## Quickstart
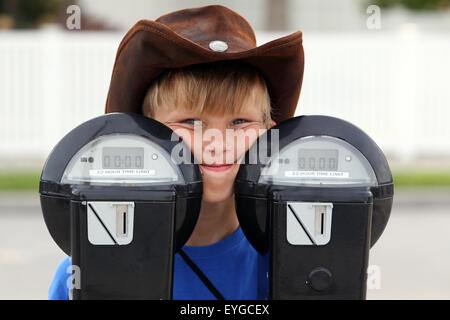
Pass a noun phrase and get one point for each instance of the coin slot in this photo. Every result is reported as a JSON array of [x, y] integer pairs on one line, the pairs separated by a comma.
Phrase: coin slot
[[122, 220], [322, 216], [320, 212]]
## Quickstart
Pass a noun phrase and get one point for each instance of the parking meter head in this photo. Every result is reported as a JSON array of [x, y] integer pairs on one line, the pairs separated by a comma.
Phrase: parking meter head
[[314, 152], [120, 156]]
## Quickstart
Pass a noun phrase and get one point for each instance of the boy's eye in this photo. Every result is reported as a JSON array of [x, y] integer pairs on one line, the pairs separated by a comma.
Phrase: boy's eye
[[189, 121], [238, 121]]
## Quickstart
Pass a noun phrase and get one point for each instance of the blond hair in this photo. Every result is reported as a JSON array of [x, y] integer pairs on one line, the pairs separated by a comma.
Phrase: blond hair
[[215, 87]]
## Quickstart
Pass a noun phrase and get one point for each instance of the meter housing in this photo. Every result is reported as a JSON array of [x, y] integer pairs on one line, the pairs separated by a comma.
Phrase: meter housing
[[120, 194], [314, 193]]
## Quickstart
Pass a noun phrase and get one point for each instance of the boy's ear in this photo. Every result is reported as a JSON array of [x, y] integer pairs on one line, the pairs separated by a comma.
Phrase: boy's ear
[[272, 124]]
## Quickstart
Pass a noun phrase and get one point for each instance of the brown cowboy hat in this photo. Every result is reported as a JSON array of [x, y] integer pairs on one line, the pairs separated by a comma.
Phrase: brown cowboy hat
[[200, 35]]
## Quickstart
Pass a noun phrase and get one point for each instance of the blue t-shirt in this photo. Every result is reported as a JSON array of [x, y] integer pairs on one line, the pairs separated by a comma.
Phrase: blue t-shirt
[[237, 270]]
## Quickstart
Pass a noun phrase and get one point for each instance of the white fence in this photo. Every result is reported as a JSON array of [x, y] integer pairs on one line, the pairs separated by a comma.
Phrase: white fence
[[396, 87]]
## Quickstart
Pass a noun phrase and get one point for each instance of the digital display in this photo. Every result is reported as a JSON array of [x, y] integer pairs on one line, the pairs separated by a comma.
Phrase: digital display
[[318, 159], [122, 158]]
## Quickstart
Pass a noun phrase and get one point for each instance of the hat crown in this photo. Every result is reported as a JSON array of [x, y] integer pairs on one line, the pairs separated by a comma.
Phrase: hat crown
[[212, 23]]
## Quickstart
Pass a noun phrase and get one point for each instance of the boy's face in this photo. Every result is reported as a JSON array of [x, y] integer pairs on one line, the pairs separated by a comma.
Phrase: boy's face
[[217, 144]]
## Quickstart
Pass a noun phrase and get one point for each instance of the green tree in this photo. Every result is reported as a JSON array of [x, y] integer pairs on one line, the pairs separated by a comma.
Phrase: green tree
[[32, 13], [417, 5]]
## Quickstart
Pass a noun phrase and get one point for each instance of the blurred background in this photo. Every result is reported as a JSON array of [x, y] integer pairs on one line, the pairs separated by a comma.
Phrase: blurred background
[[382, 65]]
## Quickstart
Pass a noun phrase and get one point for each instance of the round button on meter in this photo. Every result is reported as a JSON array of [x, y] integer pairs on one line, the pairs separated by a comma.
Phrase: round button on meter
[[320, 279]]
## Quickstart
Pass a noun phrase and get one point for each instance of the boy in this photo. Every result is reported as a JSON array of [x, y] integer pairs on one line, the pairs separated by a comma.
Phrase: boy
[[174, 71]]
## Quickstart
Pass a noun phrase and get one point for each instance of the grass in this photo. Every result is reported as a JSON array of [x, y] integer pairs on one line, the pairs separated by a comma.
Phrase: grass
[[19, 181], [422, 178], [29, 180]]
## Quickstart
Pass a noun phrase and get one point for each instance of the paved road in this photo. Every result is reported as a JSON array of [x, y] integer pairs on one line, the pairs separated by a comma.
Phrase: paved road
[[413, 254], [412, 257]]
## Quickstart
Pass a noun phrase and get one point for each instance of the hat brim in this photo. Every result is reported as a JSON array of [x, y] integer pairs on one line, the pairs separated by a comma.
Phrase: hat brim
[[150, 47]]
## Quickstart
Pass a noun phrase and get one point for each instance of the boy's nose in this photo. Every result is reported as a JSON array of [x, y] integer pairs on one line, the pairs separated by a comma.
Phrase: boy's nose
[[217, 148]]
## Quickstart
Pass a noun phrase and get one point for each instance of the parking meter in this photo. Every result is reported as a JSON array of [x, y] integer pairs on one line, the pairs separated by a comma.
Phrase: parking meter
[[120, 194], [315, 198]]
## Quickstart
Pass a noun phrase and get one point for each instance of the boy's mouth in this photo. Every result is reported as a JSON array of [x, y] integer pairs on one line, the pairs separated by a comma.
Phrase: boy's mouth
[[217, 168]]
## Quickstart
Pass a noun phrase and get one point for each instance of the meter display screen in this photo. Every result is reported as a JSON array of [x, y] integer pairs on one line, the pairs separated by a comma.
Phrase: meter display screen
[[122, 159], [319, 161]]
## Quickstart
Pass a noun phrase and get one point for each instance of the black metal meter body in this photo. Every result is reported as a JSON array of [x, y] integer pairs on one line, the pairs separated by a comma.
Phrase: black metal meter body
[[316, 196], [118, 202]]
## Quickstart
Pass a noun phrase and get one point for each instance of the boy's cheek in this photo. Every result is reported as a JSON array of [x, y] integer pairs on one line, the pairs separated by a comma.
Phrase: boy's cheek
[[182, 132], [245, 140], [186, 135]]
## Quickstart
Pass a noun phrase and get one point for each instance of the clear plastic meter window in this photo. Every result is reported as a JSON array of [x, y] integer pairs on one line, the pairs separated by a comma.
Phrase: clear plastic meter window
[[319, 161], [121, 159]]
